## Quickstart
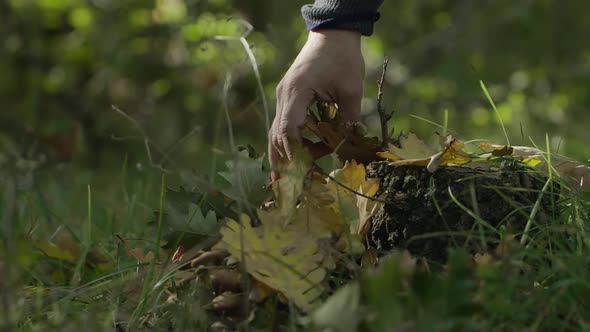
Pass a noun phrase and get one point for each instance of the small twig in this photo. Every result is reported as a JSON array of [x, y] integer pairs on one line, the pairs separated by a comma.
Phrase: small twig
[[324, 173], [147, 142], [383, 115], [171, 148]]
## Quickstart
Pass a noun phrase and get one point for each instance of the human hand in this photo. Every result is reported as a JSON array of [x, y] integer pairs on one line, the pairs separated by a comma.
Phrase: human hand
[[329, 67]]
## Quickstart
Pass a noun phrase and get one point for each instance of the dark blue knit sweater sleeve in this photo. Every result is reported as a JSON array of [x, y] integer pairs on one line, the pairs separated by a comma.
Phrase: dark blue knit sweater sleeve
[[358, 15]]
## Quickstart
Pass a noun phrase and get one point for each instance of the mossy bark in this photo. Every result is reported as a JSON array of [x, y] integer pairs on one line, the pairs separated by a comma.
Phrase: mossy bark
[[455, 206]]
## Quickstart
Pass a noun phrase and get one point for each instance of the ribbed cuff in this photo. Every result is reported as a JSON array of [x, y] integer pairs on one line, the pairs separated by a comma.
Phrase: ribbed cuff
[[357, 15]]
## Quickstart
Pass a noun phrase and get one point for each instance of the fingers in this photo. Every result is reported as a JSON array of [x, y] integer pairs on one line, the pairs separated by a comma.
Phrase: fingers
[[293, 110], [274, 158], [277, 145], [349, 104], [286, 129], [317, 151], [292, 137]]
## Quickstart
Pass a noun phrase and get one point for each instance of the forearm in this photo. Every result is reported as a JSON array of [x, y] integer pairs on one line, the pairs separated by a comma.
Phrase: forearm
[[356, 15]]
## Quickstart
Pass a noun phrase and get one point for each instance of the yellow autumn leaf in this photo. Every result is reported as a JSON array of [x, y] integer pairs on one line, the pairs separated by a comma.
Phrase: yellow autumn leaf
[[414, 152], [318, 193], [287, 258], [64, 253], [64, 248], [290, 186], [325, 218], [350, 244], [352, 175], [411, 147], [332, 110], [451, 154], [354, 209], [366, 207], [532, 161]]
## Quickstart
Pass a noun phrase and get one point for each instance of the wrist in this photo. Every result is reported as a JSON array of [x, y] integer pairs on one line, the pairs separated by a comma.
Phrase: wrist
[[341, 37]]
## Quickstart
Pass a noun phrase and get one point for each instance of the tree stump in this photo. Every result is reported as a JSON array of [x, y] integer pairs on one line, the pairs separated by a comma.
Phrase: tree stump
[[427, 213]]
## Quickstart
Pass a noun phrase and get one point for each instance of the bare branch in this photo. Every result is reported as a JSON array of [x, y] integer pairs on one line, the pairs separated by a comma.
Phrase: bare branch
[[384, 116], [147, 142]]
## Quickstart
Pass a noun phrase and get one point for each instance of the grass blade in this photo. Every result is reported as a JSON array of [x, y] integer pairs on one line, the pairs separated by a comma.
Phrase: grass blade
[[487, 93]]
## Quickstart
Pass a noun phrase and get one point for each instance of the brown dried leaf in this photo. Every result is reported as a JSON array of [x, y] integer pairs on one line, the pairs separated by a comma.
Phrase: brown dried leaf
[[259, 291], [140, 255], [346, 139], [225, 301], [483, 259], [209, 257], [506, 150], [225, 280]]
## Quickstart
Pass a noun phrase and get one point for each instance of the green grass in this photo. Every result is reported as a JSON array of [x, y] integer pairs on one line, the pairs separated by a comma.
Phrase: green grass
[[539, 282], [91, 207], [540, 286]]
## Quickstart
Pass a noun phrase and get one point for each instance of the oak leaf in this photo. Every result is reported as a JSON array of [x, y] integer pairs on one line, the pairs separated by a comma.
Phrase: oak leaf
[[284, 257], [347, 139], [290, 186], [353, 208], [414, 152], [367, 207], [248, 178], [411, 147]]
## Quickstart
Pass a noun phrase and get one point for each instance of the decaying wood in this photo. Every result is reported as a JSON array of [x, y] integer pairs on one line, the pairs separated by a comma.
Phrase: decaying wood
[[456, 206]]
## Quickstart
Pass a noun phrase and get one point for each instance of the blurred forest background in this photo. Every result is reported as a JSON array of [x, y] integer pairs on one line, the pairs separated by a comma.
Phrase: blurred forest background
[[87, 85], [165, 63]]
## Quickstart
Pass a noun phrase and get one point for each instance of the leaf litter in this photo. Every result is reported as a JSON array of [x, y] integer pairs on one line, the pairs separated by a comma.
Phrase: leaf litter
[[293, 244]]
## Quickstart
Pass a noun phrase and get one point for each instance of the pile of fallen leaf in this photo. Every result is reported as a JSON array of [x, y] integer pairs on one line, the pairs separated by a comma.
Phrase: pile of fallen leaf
[[312, 226], [249, 244], [316, 223]]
